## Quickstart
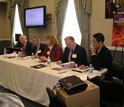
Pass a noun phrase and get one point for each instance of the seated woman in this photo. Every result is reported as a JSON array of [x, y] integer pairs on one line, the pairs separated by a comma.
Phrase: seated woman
[[52, 50]]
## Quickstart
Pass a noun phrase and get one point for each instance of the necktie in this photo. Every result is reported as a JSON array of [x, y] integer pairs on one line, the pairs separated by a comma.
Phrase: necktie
[[23, 49], [71, 54], [36, 49]]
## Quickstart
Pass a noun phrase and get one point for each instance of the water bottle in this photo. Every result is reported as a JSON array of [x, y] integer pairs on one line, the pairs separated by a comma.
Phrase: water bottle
[[4, 51], [19, 55], [90, 68], [32, 56], [48, 61]]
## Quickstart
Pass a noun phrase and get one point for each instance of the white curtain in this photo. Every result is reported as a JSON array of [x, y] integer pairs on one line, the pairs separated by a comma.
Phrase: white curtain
[[83, 12], [60, 17]]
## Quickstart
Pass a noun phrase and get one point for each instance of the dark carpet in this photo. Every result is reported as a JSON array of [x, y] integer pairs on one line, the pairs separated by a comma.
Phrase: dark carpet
[[25, 101]]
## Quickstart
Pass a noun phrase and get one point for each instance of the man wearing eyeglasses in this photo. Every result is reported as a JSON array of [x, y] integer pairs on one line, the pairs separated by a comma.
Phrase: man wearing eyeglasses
[[100, 55], [73, 52]]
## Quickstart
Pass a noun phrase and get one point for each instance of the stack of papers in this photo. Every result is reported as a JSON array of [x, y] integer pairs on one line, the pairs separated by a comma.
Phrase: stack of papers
[[13, 55], [66, 65], [62, 66]]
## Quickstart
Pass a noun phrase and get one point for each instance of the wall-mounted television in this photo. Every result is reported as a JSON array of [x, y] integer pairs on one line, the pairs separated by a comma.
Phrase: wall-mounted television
[[35, 16]]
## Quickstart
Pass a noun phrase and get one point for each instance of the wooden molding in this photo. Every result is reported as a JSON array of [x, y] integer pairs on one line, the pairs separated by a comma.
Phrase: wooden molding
[[3, 0]]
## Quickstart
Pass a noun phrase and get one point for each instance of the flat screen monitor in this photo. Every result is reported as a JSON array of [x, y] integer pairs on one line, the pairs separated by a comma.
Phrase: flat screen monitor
[[35, 16], [17, 37], [17, 41]]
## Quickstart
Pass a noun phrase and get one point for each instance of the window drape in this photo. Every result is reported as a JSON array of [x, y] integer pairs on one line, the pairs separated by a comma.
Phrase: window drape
[[83, 12], [22, 4], [11, 10], [61, 8]]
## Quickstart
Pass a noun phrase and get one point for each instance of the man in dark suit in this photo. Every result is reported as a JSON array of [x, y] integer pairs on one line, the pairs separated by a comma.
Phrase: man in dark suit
[[100, 55], [38, 47], [26, 46], [74, 52]]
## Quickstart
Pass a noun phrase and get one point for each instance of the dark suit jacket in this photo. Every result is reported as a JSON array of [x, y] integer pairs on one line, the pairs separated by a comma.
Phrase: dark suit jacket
[[41, 49], [81, 55], [55, 54], [28, 48], [102, 60]]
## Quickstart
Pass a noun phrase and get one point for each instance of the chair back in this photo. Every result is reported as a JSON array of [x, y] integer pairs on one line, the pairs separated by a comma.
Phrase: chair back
[[55, 101], [117, 70], [10, 100]]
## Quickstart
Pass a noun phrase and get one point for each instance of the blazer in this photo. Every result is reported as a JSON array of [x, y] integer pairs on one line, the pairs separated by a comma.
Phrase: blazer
[[41, 49], [102, 60], [28, 48], [55, 54], [81, 56]]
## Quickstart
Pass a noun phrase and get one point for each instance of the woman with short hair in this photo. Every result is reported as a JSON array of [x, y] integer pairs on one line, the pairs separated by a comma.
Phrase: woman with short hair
[[52, 50]]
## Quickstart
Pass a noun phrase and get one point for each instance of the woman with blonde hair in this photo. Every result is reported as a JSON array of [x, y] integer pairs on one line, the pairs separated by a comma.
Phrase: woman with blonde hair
[[52, 50]]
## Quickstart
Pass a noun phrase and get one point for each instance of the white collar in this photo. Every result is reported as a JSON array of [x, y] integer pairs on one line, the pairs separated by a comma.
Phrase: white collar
[[50, 47], [25, 43], [100, 49], [73, 48]]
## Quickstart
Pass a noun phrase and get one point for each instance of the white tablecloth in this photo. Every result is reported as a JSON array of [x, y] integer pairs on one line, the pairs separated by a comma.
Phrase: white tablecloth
[[17, 75]]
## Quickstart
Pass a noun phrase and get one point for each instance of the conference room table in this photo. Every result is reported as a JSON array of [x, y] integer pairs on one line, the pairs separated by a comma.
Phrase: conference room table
[[16, 74]]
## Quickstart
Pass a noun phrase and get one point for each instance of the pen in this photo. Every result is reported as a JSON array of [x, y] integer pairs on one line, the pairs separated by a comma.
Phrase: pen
[[77, 71], [62, 72]]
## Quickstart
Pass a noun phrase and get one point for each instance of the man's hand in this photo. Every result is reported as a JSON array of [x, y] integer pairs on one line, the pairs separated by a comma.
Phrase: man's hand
[[83, 67], [59, 62], [22, 54], [36, 56], [72, 64], [93, 50], [43, 58]]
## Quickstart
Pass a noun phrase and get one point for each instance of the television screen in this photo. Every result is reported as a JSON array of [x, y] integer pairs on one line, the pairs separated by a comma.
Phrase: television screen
[[17, 37], [17, 41], [35, 16]]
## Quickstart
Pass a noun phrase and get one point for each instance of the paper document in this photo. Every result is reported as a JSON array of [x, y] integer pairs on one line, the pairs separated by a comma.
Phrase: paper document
[[12, 55]]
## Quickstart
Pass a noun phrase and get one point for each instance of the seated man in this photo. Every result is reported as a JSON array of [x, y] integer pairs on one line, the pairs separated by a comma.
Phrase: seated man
[[26, 46], [73, 52], [101, 57], [38, 47]]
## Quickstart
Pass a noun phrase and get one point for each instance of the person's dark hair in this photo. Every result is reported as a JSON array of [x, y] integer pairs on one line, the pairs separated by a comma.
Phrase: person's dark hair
[[38, 39], [99, 37]]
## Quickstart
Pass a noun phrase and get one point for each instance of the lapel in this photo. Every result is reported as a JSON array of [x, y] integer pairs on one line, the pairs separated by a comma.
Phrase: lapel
[[101, 51], [53, 48], [75, 52], [76, 49], [40, 47], [51, 52], [26, 45]]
